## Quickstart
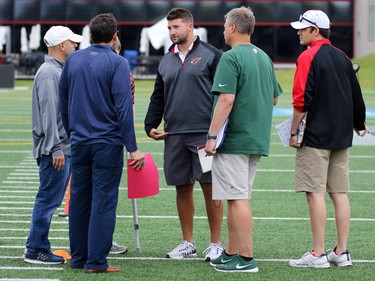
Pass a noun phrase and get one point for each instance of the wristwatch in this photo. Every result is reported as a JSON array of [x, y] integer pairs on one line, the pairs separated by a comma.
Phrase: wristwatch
[[209, 137], [293, 135]]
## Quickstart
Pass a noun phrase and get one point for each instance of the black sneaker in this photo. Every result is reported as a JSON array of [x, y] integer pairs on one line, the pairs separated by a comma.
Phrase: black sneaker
[[43, 258]]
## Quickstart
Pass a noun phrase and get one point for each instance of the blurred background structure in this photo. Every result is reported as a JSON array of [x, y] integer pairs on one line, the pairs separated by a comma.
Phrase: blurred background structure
[[24, 22]]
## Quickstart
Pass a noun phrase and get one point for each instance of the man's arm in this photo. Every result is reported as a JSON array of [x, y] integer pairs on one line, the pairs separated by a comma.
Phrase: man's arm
[[49, 110], [222, 110], [297, 117], [155, 110]]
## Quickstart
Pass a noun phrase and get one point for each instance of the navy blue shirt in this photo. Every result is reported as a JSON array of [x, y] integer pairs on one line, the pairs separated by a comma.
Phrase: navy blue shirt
[[96, 98]]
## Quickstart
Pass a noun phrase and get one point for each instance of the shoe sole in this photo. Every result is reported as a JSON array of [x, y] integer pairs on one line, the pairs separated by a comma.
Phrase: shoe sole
[[341, 264], [326, 265], [239, 270], [118, 252], [181, 257], [108, 270], [41, 262]]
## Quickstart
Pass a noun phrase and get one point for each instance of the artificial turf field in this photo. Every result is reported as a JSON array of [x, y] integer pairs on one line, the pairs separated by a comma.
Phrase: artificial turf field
[[281, 224]]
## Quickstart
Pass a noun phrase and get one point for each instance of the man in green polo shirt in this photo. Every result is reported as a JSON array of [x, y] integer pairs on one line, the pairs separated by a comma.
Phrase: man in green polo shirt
[[246, 90]]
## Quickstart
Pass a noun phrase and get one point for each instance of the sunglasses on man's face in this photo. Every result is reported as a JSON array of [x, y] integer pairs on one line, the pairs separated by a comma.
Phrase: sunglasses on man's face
[[301, 18]]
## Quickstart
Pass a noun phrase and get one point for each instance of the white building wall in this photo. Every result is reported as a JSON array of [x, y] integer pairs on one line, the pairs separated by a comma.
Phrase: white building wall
[[364, 27]]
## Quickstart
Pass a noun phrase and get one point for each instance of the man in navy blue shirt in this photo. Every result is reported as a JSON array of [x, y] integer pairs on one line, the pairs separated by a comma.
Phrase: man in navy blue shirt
[[96, 107]]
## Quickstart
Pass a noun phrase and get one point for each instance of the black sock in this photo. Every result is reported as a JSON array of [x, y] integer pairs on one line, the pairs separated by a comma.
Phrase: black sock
[[246, 258], [228, 254]]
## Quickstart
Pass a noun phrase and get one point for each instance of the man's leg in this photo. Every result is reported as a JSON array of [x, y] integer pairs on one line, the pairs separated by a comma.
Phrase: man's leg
[[108, 162], [186, 209], [215, 212], [240, 228], [342, 217], [318, 217], [80, 204], [50, 194]]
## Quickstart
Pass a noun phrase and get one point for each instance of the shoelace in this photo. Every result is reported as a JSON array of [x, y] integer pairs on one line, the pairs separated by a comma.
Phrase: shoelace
[[184, 247], [216, 247]]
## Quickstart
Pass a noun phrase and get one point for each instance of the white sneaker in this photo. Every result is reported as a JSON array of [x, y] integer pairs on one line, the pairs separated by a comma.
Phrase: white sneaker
[[183, 251], [309, 260], [213, 251], [340, 260]]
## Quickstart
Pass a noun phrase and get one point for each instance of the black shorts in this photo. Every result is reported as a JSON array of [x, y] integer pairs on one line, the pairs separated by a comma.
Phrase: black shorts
[[181, 163]]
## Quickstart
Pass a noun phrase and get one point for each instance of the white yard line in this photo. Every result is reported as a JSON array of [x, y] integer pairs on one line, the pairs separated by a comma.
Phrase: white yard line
[[65, 221], [185, 260], [30, 268]]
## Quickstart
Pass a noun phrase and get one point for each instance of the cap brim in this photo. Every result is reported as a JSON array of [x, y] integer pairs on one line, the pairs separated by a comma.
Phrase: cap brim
[[76, 38], [300, 25]]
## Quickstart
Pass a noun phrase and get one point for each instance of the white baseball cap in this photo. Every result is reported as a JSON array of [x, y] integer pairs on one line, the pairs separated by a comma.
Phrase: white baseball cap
[[58, 34], [314, 18]]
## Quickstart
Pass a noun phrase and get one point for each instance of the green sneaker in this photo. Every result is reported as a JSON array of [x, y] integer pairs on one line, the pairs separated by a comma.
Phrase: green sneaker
[[238, 264], [222, 259]]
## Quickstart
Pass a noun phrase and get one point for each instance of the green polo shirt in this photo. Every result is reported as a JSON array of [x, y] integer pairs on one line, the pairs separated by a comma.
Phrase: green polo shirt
[[248, 73]]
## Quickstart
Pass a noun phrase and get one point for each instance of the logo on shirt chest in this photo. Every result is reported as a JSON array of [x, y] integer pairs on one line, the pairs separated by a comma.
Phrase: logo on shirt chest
[[195, 60]]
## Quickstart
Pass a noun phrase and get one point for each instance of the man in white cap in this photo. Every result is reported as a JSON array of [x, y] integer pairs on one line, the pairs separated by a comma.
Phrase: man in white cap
[[51, 147], [325, 86]]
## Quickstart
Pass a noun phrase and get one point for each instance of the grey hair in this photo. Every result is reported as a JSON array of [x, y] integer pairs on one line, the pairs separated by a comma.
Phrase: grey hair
[[243, 18]]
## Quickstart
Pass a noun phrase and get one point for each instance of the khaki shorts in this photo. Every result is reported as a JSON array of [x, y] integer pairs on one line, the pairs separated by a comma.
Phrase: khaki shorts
[[321, 170], [233, 175]]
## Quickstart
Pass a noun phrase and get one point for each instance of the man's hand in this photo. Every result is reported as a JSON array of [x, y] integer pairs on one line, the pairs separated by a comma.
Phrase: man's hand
[[58, 162], [293, 142], [210, 147], [137, 157], [365, 131], [156, 135]]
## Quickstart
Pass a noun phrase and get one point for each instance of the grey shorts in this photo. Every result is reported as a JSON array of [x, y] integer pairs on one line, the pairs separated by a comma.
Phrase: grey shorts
[[321, 170], [233, 176], [181, 162]]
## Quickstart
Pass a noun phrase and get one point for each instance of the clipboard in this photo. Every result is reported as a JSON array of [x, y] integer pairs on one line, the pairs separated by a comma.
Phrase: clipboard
[[283, 129], [301, 128], [221, 134]]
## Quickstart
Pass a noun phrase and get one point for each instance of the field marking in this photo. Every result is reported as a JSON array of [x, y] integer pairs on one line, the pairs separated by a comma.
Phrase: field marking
[[184, 260], [17, 197], [65, 221], [18, 191], [15, 151], [122, 188], [16, 215], [27, 279], [30, 268], [16, 208], [18, 203], [162, 153], [14, 131], [161, 169], [28, 229], [25, 238]]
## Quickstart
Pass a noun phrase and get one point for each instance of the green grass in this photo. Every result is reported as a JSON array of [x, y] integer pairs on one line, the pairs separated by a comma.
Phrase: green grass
[[281, 225]]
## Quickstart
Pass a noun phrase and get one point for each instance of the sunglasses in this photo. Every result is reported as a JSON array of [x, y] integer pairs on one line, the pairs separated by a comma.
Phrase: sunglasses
[[301, 18]]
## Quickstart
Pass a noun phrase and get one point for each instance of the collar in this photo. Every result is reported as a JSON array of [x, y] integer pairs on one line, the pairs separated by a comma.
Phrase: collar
[[177, 50], [53, 59], [321, 42]]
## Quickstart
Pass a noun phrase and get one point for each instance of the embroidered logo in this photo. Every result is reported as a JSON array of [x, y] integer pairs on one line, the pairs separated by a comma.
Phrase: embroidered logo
[[195, 60]]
